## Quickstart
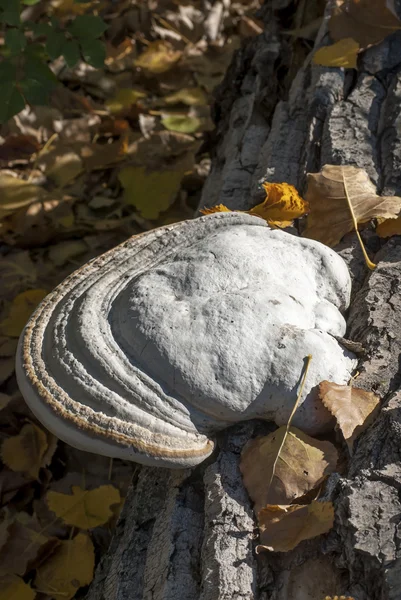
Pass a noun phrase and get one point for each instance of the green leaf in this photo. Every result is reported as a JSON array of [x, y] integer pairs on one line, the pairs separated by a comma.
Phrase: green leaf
[[181, 123], [11, 101], [54, 43], [10, 12], [15, 41], [38, 70], [30, 2], [40, 29], [87, 26], [71, 52], [8, 71], [35, 92], [93, 52]]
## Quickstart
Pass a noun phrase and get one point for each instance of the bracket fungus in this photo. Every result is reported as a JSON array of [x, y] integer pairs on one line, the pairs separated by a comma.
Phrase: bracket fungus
[[147, 351]]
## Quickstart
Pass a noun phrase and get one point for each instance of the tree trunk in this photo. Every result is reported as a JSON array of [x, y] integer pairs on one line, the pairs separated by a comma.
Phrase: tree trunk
[[190, 535]]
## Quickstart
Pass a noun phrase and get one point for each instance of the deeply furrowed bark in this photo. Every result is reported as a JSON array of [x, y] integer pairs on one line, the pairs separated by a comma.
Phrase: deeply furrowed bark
[[190, 534]]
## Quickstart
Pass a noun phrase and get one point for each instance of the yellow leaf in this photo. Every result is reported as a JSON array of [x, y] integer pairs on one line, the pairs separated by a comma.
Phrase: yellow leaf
[[21, 309], [366, 21], [13, 587], [124, 98], [282, 528], [16, 193], [24, 452], [84, 508], [302, 465], [281, 206], [341, 54], [158, 57], [214, 209], [151, 192], [67, 569], [330, 217], [388, 227], [353, 408], [194, 96]]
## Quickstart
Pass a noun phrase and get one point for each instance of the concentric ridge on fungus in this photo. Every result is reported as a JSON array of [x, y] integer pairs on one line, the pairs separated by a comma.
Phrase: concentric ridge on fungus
[[148, 350]]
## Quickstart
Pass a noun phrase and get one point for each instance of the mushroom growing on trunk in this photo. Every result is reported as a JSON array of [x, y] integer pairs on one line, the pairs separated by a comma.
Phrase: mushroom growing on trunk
[[147, 351]]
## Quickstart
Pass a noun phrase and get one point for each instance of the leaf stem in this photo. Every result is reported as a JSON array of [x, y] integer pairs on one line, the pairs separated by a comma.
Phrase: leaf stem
[[287, 429], [369, 263]]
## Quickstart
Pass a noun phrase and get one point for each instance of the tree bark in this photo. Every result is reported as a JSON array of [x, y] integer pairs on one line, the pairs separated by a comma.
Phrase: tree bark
[[190, 535]]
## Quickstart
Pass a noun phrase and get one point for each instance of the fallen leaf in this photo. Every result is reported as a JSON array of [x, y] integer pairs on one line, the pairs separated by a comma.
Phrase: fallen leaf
[[24, 452], [366, 21], [181, 123], [17, 147], [388, 227], [124, 98], [329, 217], [7, 367], [343, 53], [193, 96], [61, 164], [214, 209], [13, 587], [26, 543], [354, 408], [84, 508], [64, 252], [21, 309], [5, 399], [16, 193], [150, 191], [302, 465], [158, 57], [282, 205], [17, 273], [69, 567], [282, 528]]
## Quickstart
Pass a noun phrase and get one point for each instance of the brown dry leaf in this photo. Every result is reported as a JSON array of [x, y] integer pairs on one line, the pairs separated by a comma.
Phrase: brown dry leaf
[[7, 366], [302, 465], [343, 53], [282, 205], [282, 528], [16, 193], [17, 273], [24, 452], [388, 227], [13, 587], [68, 568], [18, 147], [366, 21], [84, 508], [26, 543], [21, 309], [150, 191], [354, 408], [61, 164], [101, 156], [330, 218], [158, 57]]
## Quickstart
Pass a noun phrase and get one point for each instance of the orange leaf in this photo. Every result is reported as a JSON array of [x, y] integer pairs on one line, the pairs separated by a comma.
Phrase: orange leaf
[[281, 206]]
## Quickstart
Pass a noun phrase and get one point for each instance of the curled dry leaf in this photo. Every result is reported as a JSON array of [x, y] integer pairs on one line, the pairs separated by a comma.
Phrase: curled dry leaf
[[353, 408], [302, 465], [282, 528], [330, 217], [16, 193], [84, 508], [341, 54], [366, 21], [68, 568], [388, 227], [283, 204]]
